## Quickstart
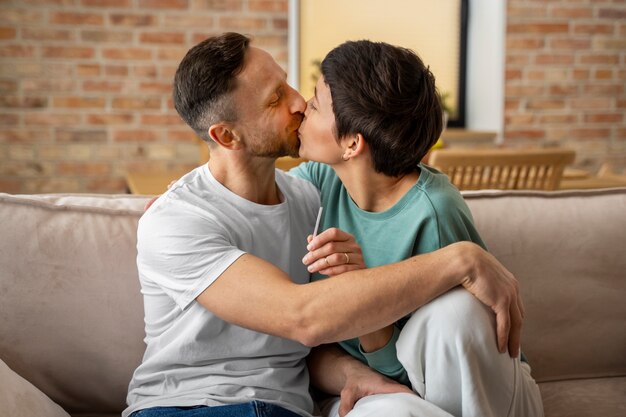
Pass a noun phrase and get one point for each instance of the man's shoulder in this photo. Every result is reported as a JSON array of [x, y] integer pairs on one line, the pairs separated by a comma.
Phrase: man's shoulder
[[296, 186]]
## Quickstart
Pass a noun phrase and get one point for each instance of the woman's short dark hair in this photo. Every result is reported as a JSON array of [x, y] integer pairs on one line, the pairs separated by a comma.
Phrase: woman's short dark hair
[[388, 95], [204, 79]]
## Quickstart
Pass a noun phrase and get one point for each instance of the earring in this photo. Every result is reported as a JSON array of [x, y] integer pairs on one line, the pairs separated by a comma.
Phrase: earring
[[344, 157]]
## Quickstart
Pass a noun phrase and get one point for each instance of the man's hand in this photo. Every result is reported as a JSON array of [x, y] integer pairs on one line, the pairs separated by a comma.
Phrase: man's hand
[[363, 381], [333, 252], [490, 282], [334, 371]]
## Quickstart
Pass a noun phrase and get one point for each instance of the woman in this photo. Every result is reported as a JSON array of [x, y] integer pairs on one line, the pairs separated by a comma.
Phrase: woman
[[374, 116]]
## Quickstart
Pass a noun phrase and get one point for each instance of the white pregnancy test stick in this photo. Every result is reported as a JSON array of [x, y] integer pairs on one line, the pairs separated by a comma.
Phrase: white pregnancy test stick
[[317, 222]]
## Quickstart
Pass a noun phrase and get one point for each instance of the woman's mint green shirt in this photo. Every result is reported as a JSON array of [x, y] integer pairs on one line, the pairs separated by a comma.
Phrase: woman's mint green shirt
[[431, 215]]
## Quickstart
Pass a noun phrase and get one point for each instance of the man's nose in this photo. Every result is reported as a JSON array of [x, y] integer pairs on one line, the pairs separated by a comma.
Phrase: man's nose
[[297, 103]]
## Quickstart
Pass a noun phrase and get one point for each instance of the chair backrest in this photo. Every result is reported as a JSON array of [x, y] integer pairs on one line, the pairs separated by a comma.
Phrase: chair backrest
[[530, 169]]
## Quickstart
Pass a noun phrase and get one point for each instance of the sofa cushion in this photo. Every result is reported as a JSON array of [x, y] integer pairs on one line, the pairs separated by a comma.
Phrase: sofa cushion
[[568, 251], [604, 397], [71, 320], [20, 398]]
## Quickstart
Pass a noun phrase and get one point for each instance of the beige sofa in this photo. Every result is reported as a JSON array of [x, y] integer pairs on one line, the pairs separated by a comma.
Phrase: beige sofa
[[71, 323]]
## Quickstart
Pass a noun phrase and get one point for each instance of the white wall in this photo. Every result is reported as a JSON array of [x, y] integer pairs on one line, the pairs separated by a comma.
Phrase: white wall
[[485, 66]]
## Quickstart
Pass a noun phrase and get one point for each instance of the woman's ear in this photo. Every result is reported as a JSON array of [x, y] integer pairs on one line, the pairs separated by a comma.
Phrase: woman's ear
[[354, 145], [225, 136]]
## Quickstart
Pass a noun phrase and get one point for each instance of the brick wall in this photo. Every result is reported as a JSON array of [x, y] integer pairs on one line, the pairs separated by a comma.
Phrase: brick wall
[[85, 84], [566, 77]]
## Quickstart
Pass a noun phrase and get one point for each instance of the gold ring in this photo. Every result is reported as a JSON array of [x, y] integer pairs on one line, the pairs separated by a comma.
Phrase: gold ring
[[326, 260], [347, 258]]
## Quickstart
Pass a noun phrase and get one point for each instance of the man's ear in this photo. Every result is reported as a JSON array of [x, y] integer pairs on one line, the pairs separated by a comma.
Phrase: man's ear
[[354, 145], [225, 136]]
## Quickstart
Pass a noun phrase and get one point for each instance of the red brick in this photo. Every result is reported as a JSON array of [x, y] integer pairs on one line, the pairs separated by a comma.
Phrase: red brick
[[23, 102], [580, 74], [524, 43], [513, 74], [603, 74], [588, 133], [137, 103], [148, 71], [21, 16], [280, 24], [135, 136], [106, 36], [51, 119], [242, 23], [604, 89], [525, 10], [90, 169], [46, 34], [519, 119], [8, 86], [83, 135], [164, 4], [554, 59], [525, 134], [17, 51], [523, 90], [604, 118], [199, 37], [48, 85], [168, 72], [161, 119], [74, 18], [188, 21], [511, 104], [621, 104], [87, 70], [78, 102], [517, 59], [156, 87], [545, 104], [162, 37], [24, 135], [593, 28], [572, 12], [599, 59], [10, 186], [217, 5], [103, 86], [268, 5], [538, 28], [110, 119], [134, 20], [570, 43], [127, 53], [612, 13], [9, 119], [172, 53], [563, 89], [68, 52], [116, 70], [106, 3], [115, 185], [590, 103], [184, 136], [558, 118], [604, 43], [7, 33]]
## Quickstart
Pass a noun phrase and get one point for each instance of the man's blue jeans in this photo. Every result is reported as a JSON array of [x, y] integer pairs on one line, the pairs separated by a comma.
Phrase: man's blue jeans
[[251, 409]]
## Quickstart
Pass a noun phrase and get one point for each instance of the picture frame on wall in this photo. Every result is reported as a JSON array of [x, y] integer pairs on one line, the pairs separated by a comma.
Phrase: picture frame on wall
[[436, 31]]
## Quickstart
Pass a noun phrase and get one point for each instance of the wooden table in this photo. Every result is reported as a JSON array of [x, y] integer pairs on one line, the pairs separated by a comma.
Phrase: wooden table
[[151, 183], [589, 183]]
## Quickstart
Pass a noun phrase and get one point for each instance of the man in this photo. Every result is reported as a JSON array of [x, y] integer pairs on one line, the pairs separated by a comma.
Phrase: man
[[229, 309]]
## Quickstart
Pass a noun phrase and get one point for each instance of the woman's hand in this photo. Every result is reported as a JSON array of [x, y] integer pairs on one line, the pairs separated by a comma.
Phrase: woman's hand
[[333, 252]]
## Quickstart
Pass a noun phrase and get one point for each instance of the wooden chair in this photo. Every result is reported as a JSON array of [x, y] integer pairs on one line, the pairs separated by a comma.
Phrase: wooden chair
[[530, 169]]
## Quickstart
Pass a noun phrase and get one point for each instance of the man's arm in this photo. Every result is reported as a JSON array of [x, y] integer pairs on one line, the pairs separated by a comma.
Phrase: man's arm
[[254, 294]]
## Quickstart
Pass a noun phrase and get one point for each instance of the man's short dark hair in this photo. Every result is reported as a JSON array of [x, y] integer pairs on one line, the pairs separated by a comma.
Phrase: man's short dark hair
[[387, 94], [204, 79]]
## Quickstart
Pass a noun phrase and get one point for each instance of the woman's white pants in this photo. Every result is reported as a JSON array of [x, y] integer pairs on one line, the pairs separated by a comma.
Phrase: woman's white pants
[[449, 351]]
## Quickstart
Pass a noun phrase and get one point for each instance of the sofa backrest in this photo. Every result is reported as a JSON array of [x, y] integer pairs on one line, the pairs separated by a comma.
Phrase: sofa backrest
[[568, 250], [71, 314]]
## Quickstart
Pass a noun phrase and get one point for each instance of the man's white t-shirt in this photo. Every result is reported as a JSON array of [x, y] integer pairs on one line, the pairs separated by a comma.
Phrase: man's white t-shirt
[[187, 238]]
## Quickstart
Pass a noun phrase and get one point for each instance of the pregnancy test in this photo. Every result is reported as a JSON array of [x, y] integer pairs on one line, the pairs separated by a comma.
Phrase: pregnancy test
[[317, 222]]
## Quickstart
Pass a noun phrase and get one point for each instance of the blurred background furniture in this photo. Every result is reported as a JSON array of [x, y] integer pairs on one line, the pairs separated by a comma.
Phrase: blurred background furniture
[[503, 169]]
